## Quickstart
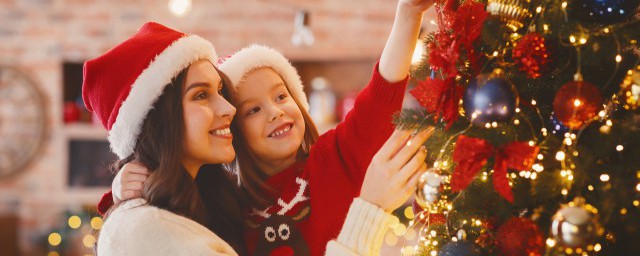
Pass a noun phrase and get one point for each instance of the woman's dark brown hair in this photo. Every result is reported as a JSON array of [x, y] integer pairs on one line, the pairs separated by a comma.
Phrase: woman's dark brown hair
[[252, 180], [212, 199]]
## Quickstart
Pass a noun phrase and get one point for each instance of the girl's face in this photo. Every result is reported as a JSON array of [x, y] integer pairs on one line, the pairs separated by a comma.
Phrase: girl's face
[[207, 116], [268, 117]]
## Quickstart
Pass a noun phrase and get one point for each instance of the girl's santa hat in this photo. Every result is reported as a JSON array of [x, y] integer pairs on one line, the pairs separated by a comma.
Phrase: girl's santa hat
[[121, 86], [253, 57]]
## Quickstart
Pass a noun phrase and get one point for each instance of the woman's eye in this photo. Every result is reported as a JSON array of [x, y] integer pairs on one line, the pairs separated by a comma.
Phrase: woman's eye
[[201, 96]]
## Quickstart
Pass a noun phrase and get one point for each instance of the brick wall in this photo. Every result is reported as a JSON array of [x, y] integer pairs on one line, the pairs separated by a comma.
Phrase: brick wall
[[39, 35]]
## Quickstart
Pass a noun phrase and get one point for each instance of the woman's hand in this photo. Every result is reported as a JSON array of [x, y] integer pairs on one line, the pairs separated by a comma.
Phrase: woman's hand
[[129, 182], [394, 171]]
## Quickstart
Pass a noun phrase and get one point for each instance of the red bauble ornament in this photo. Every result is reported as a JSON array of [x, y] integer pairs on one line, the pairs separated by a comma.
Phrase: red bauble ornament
[[576, 103], [519, 236], [71, 112], [531, 55]]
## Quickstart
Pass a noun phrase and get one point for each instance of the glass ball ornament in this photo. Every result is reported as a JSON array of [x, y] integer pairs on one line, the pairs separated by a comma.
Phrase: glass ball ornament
[[603, 12], [459, 248], [576, 225], [577, 102], [519, 236], [490, 98], [428, 190]]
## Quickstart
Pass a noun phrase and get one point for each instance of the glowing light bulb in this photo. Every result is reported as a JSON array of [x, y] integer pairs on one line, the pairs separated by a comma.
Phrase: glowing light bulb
[[604, 177], [551, 242], [619, 147], [560, 156], [577, 102], [179, 8]]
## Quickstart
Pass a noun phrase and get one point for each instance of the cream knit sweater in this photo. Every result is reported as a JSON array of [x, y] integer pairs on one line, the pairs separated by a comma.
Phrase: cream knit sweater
[[135, 228]]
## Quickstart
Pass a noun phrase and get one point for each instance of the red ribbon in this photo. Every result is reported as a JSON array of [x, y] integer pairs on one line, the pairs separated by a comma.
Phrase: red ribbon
[[472, 153], [440, 97]]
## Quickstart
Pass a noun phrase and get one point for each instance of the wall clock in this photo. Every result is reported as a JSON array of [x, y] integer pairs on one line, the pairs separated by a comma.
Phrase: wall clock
[[22, 120]]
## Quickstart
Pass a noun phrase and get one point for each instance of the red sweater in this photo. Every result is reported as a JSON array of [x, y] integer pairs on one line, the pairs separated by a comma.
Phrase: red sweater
[[325, 184], [328, 180]]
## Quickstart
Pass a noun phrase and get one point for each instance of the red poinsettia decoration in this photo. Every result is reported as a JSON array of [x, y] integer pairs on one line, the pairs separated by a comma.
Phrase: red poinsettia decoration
[[440, 97], [459, 28]]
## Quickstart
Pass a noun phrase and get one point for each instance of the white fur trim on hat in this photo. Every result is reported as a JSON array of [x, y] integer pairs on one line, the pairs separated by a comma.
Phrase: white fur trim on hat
[[149, 86], [258, 56]]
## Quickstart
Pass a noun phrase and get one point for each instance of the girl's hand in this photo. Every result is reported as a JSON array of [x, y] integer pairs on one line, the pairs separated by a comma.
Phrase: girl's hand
[[129, 182], [394, 171]]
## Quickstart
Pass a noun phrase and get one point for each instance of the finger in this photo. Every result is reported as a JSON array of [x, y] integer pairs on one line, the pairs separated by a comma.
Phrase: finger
[[413, 182], [410, 148], [133, 186], [131, 194], [396, 140], [134, 167], [412, 166], [129, 177]]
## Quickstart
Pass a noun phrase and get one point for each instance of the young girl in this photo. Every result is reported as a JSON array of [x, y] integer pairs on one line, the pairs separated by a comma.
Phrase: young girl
[[165, 109], [285, 168], [290, 179]]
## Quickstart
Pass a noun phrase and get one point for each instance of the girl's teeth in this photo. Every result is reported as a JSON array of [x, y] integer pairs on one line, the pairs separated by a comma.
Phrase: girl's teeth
[[280, 132]]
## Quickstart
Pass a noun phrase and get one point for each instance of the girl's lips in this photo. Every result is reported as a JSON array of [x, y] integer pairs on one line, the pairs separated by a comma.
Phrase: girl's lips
[[281, 130]]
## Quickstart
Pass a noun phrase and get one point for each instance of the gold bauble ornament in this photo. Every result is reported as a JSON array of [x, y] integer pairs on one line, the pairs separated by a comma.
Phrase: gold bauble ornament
[[629, 95], [514, 13], [576, 225]]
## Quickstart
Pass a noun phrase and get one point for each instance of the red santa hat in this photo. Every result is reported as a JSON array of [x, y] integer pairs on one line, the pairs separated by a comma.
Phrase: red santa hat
[[121, 86], [256, 56]]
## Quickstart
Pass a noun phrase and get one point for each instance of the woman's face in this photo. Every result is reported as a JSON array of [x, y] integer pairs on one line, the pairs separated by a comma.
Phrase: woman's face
[[207, 116], [268, 117]]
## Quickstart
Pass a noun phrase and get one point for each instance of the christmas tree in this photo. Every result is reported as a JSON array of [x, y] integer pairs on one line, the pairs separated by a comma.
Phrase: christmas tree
[[537, 151]]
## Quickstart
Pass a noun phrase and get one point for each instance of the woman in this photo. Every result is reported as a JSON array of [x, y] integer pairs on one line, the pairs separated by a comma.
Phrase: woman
[[161, 99]]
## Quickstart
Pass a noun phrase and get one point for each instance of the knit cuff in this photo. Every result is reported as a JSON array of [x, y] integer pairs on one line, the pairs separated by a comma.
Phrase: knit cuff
[[385, 91], [105, 203], [364, 228]]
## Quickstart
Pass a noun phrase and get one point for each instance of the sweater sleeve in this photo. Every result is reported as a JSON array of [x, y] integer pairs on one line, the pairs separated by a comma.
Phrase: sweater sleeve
[[147, 230], [105, 203], [362, 232], [369, 124]]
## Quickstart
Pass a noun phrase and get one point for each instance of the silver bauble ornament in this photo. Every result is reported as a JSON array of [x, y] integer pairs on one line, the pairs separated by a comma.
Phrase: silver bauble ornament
[[576, 225], [428, 190]]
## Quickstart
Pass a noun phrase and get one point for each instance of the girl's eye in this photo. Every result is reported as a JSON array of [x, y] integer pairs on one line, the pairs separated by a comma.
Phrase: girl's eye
[[282, 96], [201, 96], [253, 110]]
